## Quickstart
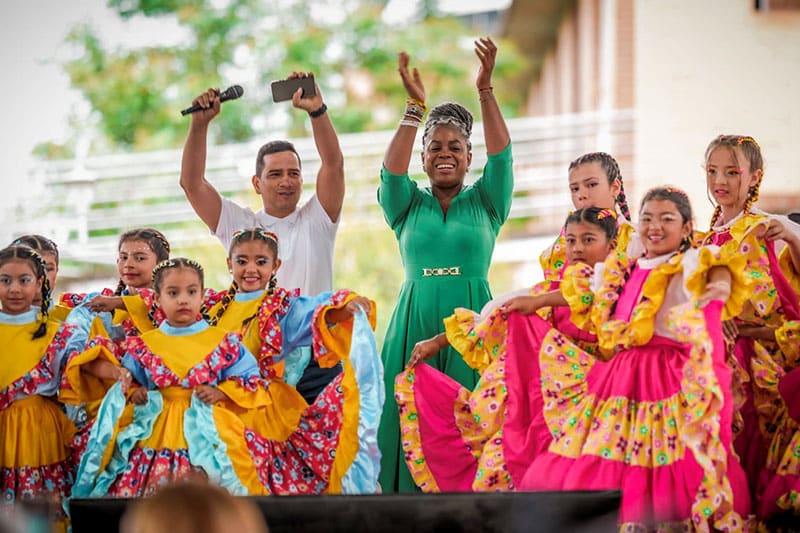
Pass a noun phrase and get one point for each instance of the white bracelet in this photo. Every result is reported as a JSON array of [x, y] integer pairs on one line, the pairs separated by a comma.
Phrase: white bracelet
[[412, 123]]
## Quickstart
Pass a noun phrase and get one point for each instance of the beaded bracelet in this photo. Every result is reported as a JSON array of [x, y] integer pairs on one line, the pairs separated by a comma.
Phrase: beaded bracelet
[[415, 108]]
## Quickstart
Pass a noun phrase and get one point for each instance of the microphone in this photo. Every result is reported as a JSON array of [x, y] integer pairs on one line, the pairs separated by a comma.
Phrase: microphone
[[231, 93]]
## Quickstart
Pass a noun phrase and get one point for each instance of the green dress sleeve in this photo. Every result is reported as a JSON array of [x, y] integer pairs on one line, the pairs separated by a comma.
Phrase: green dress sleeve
[[496, 185], [395, 195]]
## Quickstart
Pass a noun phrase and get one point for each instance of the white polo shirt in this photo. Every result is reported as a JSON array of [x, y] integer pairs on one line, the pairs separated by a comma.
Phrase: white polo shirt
[[305, 242]]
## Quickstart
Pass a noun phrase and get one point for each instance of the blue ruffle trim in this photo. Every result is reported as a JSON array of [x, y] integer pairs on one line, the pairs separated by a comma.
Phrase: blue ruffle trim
[[90, 481], [362, 476], [206, 448]]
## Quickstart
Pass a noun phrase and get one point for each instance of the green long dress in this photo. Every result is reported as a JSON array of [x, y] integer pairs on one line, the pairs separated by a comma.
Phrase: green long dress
[[446, 261]]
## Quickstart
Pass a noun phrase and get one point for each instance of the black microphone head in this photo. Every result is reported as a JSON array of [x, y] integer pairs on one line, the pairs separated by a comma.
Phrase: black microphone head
[[231, 93]]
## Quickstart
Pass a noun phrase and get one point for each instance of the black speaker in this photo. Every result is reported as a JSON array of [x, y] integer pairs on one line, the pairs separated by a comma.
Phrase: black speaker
[[405, 513]]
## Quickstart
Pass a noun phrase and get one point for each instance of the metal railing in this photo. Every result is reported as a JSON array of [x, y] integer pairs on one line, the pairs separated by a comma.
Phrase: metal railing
[[85, 204]]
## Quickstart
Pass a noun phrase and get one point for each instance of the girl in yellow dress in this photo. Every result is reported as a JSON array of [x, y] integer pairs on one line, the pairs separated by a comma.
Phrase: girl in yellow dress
[[35, 458], [197, 386]]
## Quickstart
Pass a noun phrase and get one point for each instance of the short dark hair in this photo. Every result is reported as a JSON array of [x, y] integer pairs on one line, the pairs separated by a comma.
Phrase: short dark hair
[[273, 147]]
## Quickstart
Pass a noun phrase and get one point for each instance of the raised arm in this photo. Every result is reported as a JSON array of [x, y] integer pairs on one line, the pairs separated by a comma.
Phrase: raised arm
[[495, 131], [398, 154], [330, 178], [203, 197]]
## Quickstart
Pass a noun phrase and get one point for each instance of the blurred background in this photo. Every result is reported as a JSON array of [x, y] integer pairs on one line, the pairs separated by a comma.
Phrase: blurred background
[[91, 131]]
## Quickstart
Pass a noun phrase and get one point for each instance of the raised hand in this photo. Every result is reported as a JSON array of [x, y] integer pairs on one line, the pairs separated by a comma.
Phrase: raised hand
[[411, 81], [210, 103], [486, 51], [307, 103]]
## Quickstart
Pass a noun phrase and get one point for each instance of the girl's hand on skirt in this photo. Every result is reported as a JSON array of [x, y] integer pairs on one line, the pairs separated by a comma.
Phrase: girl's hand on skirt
[[208, 394], [730, 330], [526, 305], [139, 396], [356, 303], [762, 333], [423, 350]]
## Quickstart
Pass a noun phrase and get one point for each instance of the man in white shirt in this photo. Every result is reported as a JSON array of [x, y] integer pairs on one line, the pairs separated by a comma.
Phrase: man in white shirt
[[306, 234]]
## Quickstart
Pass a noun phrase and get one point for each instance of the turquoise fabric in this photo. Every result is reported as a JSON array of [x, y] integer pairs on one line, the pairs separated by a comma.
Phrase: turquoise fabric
[[362, 476], [207, 450], [90, 481], [295, 364]]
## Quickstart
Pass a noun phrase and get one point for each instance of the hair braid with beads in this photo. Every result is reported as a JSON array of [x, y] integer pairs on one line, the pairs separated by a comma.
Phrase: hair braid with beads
[[37, 264], [230, 294], [611, 168], [752, 153], [155, 240]]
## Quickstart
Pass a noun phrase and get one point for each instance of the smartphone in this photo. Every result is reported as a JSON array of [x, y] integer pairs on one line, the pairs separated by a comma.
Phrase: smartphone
[[283, 90]]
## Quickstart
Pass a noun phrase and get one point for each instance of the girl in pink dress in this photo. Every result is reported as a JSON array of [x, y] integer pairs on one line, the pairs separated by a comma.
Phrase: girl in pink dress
[[650, 414], [453, 437], [758, 353]]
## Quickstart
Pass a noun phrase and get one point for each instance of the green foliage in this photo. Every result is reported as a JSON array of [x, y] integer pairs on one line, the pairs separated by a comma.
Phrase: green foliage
[[367, 261], [137, 93]]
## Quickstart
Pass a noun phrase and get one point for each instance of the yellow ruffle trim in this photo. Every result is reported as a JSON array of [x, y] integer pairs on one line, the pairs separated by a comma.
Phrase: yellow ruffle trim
[[84, 387], [136, 309], [336, 338], [348, 437], [273, 412], [741, 283], [478, 342], [787, 267], [576, 290], [764, 299], [788, 339], [409, 432]]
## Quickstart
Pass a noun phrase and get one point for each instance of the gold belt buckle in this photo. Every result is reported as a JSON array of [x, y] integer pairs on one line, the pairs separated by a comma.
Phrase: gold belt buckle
[[442, 271]]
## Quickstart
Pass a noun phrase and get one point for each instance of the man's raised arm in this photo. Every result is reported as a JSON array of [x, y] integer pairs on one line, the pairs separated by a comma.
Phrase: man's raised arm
[[203, 197], [330, 179]]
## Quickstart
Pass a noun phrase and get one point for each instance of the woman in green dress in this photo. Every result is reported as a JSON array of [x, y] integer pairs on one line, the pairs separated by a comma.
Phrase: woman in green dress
[[446, 233]]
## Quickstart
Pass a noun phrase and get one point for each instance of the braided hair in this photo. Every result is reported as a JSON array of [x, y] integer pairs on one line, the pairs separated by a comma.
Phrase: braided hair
[[158, 277], [752, 153], [611, 168], [37, 264], [240, 237], [155, 240], [682, 204], [40, 243], [449, 114]]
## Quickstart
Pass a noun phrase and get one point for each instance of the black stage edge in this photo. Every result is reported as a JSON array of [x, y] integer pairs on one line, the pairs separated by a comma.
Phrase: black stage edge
[[405, 513]]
